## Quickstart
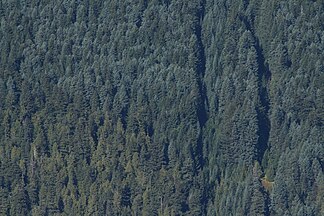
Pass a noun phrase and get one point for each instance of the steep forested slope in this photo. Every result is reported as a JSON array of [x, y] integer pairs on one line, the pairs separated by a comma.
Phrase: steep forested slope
[[162, 107]]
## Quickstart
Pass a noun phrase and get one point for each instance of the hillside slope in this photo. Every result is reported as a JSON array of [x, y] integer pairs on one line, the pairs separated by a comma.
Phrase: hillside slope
[[162, 107]]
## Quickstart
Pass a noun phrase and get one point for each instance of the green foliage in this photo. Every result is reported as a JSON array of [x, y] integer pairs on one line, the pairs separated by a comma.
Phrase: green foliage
[[161, 107]]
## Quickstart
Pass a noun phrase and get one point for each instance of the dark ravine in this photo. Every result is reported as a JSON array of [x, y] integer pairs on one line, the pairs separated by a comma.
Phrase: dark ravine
[[263, 114], [201, 70]]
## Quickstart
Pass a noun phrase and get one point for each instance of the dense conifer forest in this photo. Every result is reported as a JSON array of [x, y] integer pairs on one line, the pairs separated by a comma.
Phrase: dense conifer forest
[[162, 107]]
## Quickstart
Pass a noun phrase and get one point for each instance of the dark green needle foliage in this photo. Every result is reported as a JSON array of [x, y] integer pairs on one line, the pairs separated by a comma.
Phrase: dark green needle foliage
[[162, 107]]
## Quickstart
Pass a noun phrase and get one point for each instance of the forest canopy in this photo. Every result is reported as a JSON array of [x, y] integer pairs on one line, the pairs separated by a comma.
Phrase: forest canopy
[[162, 107]]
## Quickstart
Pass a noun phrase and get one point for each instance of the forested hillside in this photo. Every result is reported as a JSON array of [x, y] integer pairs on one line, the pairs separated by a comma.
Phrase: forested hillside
[[162, 107]]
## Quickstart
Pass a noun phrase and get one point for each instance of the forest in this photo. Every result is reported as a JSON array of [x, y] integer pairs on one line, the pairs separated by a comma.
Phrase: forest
[[162, 107]]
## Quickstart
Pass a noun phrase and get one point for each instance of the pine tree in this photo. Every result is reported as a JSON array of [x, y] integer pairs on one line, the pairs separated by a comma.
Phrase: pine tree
[[19, 201]]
